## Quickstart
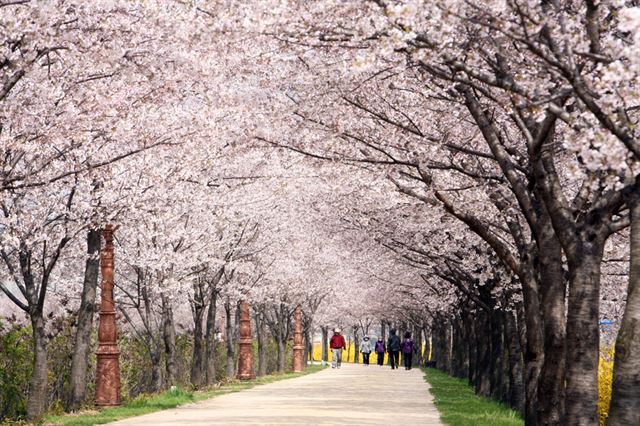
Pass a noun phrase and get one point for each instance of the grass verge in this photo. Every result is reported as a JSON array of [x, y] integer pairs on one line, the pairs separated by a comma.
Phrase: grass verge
[[460, 406], [145, 404]]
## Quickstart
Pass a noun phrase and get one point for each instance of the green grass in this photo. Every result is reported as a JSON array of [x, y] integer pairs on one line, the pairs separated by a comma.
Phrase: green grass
[[460, 406], [145, 404]]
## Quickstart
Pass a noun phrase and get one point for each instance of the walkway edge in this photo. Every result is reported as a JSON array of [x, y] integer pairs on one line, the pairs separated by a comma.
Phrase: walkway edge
[[147, 404]]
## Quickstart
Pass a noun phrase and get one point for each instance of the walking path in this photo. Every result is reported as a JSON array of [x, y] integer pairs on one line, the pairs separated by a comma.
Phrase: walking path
[[351, 395]]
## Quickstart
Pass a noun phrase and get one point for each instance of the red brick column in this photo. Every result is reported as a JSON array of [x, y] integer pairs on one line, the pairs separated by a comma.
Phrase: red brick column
[[245, 355], [108, 363], [298, 361]]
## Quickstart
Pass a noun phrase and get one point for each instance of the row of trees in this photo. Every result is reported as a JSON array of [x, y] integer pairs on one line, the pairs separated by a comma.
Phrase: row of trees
[[518, 119], [131, 114], [467, 169]]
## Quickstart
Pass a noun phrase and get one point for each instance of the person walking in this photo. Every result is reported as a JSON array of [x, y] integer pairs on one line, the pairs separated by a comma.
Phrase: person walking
[[393, 347], [380, 350], [337, 344], [365, 348], [408, 348]]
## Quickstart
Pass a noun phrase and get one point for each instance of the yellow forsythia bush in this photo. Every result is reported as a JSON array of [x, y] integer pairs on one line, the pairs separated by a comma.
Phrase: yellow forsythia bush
[[605, 380]]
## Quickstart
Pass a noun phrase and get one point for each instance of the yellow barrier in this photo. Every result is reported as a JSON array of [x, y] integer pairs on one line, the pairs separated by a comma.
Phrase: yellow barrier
[[348, 355], [605, 380]]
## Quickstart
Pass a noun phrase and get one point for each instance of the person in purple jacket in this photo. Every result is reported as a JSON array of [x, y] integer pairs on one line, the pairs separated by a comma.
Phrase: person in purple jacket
[[380, 349], [408, 348]]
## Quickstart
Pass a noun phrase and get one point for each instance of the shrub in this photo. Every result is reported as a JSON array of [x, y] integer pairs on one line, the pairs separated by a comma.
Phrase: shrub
[[61, 337], [135, 368], [15, 369], [184, 349]]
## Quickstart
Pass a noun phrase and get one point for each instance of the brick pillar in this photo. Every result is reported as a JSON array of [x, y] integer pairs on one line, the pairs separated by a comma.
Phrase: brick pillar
[[298, 361], [245, 355], [108, 363]]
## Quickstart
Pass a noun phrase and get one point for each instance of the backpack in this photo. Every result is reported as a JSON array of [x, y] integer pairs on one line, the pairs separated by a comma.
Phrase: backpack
[[407, 346]]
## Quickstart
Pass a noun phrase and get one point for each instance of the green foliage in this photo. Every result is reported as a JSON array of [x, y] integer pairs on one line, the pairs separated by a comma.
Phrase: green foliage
[[16, 361], [460, 406], [135, 368], [272, 356], [59, 353], [184, 352], [16, 365]]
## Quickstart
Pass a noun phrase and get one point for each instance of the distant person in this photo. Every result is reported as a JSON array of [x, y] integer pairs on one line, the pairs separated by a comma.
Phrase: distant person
[[393, 347], [365, 348], [337, 344], [408, 348], [380, 350]]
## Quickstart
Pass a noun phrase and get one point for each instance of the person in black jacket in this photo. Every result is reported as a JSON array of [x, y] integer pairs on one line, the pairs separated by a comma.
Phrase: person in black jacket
[[393, 347]]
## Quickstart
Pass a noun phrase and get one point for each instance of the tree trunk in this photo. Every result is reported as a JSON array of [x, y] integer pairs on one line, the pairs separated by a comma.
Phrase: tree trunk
[[197, 360], [229, 340], [356, 347], [427, 344], [625, 398], [533, 343], [82, 345], [156, 367], [37, 399], [553, 294], [468, 341], [437, 349], [307, 354], [483, 355], [236, 338], [434, 341], [582, 239], [417, 359], [496, 355], [506, 371], [325, 344], [279, 325], [455, 345], [445, 346], [261, 339], [459, 349], [472, 349], [169, 337], [347, 339], [583, 335], [383, 330], [281, 353], [516, 386], [531, 369], [210, 339], [442, 346]]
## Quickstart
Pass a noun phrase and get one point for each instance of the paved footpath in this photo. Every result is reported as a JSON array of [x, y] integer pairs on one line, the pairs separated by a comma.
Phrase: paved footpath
[[351, 395]]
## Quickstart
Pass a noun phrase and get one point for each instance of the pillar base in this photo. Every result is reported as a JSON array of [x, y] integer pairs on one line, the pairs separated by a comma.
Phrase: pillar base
[[108, 377]]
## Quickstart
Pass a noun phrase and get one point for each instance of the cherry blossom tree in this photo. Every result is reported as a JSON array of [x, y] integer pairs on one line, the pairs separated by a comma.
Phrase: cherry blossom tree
[[467, 170]]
